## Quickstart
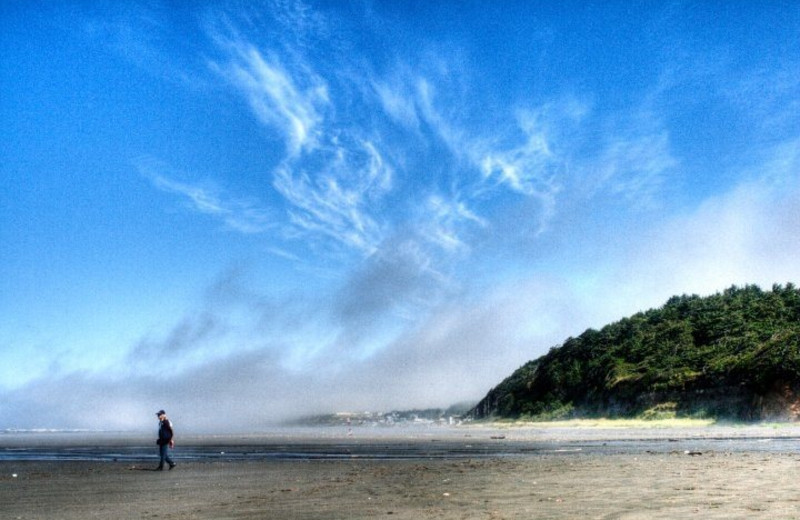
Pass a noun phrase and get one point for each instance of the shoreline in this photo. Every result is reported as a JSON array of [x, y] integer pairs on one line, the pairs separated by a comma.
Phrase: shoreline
[[473, 442], [570, 430]]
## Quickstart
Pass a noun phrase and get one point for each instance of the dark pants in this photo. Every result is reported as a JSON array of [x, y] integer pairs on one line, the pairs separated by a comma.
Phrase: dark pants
[[163, 451]]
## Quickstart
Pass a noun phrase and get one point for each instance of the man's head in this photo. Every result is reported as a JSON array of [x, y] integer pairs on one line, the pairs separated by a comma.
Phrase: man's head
[[161, 414]]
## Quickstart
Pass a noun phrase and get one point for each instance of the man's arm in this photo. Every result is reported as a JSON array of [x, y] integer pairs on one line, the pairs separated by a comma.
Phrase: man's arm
[[171, 436]]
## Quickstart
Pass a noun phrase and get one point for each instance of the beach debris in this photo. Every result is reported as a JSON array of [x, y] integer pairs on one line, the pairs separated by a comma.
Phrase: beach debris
[[13, 475], [692, 453], [498, 437], [445, 494]]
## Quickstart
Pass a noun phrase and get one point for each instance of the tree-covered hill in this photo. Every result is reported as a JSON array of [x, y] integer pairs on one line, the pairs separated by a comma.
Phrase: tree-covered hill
[[735, 354]]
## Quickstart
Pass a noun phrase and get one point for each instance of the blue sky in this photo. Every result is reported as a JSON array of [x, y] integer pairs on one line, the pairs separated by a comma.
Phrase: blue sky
[[286, 208]]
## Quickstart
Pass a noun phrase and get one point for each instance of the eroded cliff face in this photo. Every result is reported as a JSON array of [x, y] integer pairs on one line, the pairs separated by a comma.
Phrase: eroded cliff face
[[780, 403]]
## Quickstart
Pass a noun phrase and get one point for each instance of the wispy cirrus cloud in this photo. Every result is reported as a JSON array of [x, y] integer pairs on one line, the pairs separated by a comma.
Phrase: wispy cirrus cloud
[[339, 200], [397, 102], [291, 102], [333, 175], [444, 219], [528, 157], [344, 167], [631, 167], [338, 174], [522, 154], [240, 215]]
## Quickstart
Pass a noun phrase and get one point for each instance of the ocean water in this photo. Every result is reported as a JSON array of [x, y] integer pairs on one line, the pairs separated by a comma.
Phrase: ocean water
[[390, 443]]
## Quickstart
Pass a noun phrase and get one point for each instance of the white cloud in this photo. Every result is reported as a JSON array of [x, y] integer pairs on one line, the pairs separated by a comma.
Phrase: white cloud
[[279, 98], [473, 343], [767, 96], [634, 168], [515, 155], [240, 215], [336, 176], [746, 235], [443, 220], [525, 168], [339, 199], [398, 103]]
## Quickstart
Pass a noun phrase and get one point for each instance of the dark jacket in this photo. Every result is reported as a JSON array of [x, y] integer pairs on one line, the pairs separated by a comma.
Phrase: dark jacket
[[164, 432]]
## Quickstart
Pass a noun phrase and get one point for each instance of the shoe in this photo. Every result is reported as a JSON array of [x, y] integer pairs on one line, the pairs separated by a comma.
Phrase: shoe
[[173, 465], [160, 468]]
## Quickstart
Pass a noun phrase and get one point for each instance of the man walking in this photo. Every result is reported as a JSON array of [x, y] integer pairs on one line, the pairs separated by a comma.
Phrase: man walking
[[165, 440]]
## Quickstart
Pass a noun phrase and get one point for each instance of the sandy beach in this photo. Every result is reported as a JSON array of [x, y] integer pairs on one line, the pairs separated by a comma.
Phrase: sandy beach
[[574, 484]]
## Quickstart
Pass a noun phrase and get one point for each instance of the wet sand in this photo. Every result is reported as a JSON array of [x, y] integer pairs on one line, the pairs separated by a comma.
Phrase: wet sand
[[645, 485], [574, 486]]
